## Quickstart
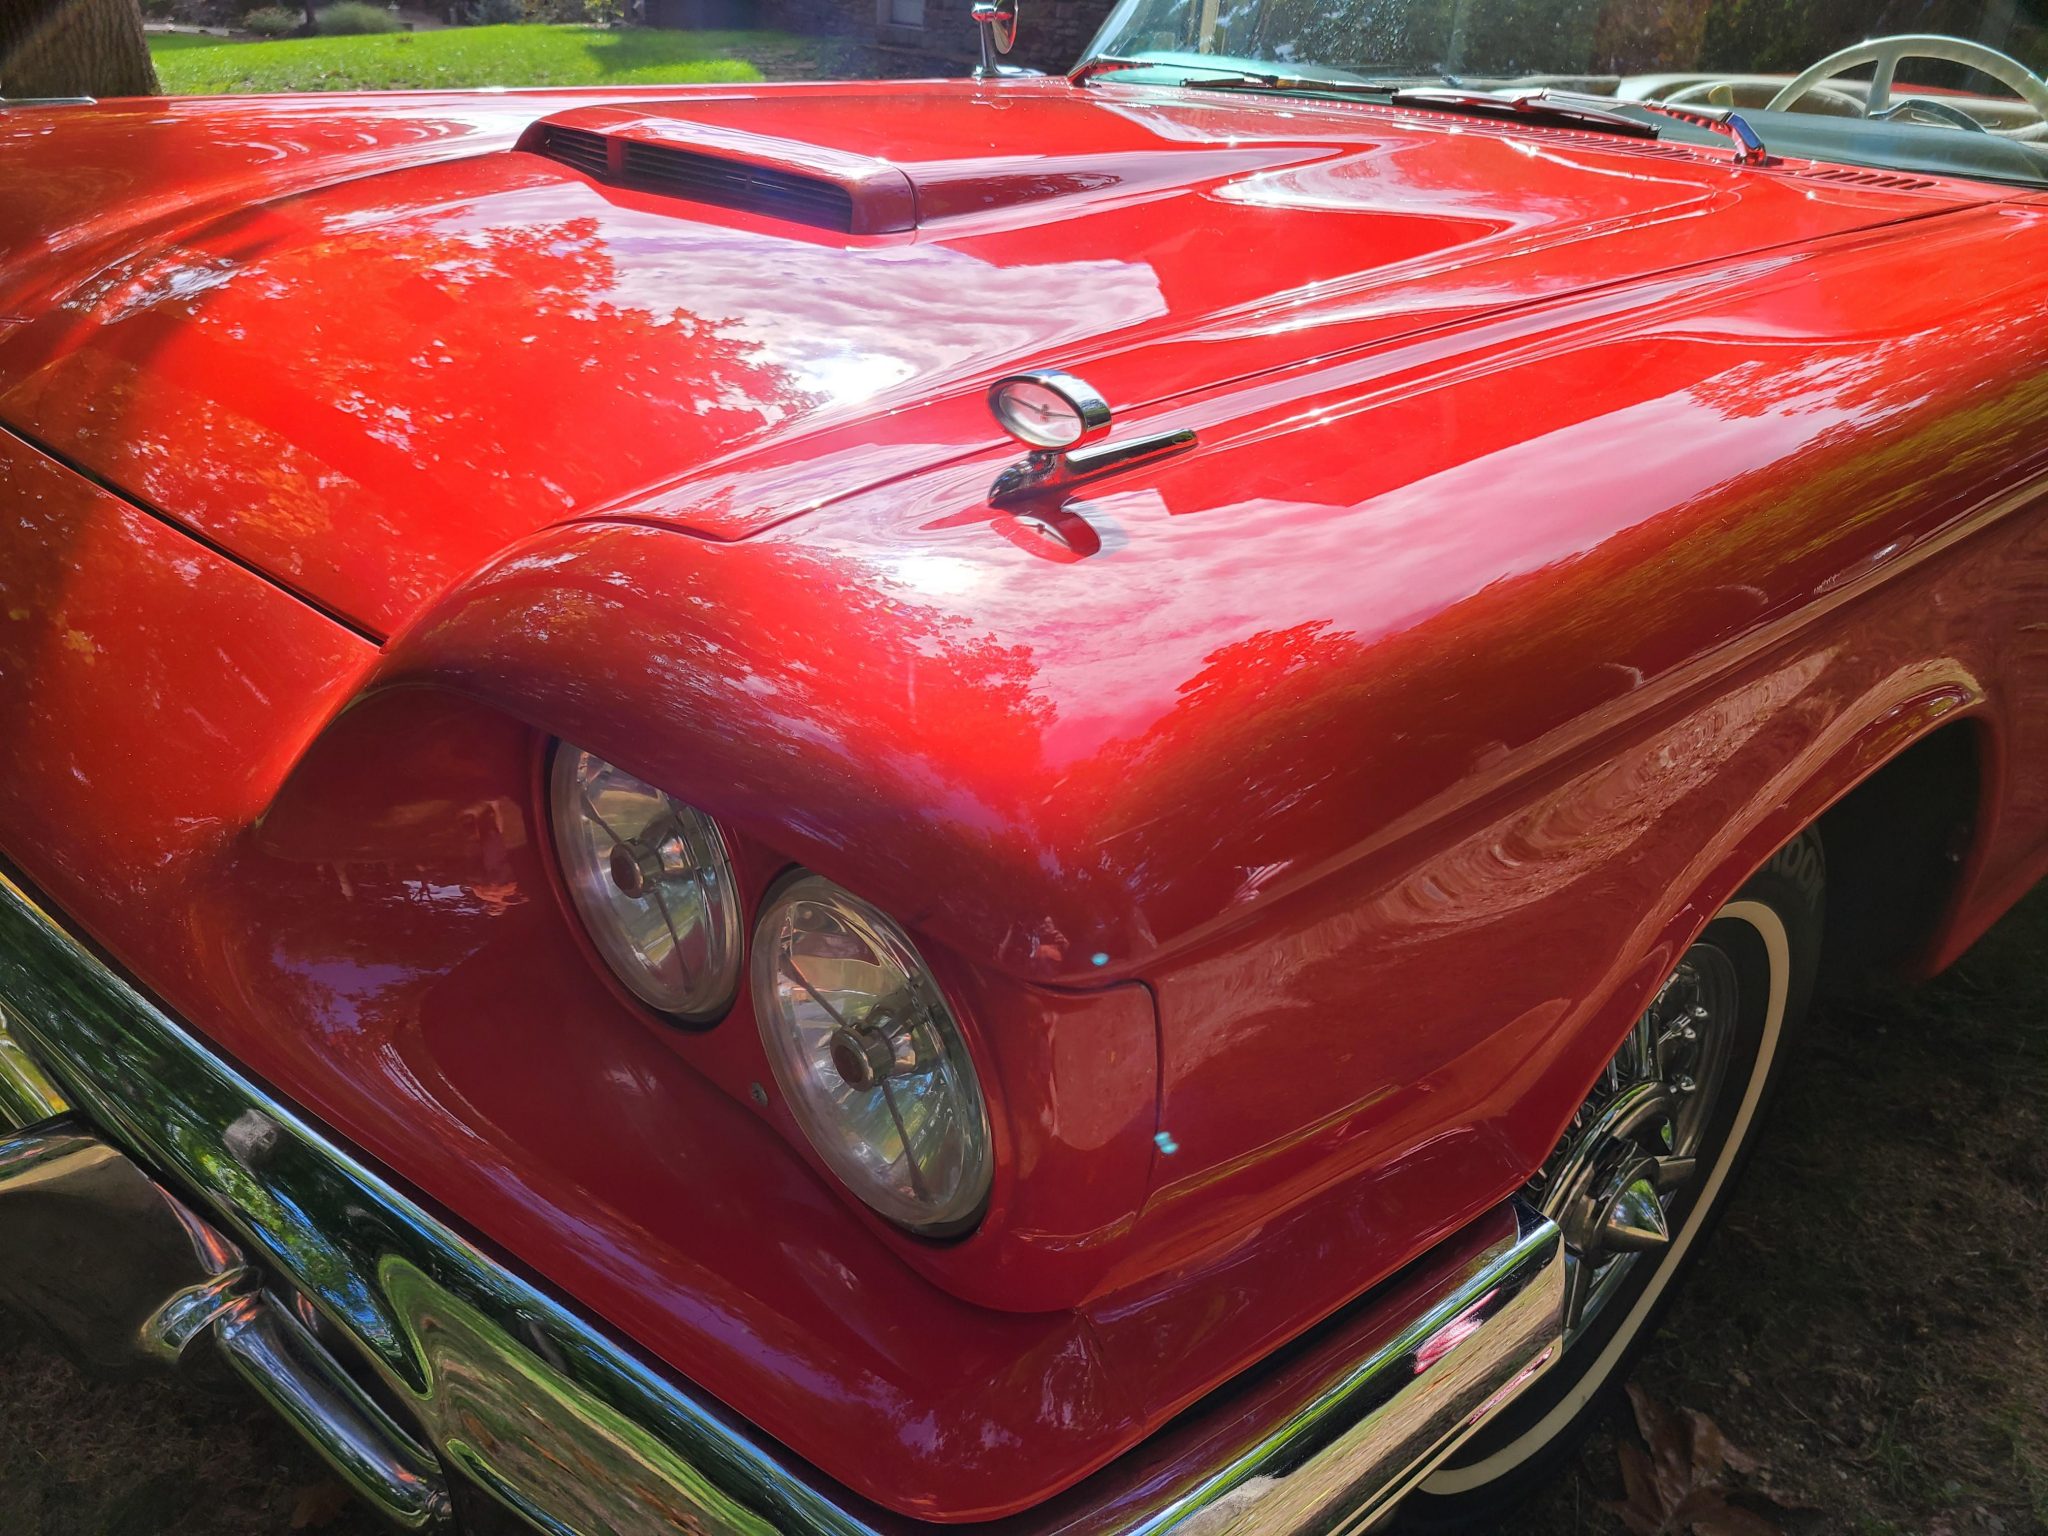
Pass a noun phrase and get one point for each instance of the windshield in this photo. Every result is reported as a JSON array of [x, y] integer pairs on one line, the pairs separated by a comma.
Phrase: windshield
[[1944, 86]]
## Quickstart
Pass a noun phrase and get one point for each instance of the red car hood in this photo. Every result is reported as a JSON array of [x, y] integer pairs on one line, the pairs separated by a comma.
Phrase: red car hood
[[364, 344]]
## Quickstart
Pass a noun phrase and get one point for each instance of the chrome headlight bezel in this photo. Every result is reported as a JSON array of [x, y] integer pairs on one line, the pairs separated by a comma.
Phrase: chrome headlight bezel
[[921, 1156], [679, 880]]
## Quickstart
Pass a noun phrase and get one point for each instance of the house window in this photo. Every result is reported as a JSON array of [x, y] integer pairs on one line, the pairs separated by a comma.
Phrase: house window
[[903, 13]]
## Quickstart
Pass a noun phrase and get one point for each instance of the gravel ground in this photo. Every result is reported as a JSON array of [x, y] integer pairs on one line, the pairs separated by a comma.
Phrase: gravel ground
[[1870, 1324]]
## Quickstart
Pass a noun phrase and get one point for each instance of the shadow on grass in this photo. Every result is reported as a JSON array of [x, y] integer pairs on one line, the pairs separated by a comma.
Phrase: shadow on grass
[[181, 42], [630, 51]]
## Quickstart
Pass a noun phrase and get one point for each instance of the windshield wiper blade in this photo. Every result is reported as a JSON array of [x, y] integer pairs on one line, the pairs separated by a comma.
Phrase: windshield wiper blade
[[1749, 147], [1525, 106], [1224, 77], [1218, 74], [1293, 85], [1539, 106]]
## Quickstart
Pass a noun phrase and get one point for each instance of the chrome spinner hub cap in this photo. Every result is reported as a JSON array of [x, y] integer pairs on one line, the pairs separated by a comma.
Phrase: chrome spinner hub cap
[[1635, 1145]]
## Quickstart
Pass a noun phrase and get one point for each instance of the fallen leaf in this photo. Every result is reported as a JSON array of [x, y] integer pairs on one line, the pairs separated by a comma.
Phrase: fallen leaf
[[1641, 1509], [319, 1505], [1740, 1460], [1725, 1519], [1784, 1498], [1677, 1485], [1638, 1523], [1670, 1452], [1710, 1449]]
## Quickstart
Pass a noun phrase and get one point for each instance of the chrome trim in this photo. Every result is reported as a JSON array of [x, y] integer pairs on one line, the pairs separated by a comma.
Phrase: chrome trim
[[126, 1278], [1316, 1441], [1749, 146], [1328, 1440], [26, 1093], [1051, 470], [292, 1372], [122, 1276], [1097, 65], [997, 21], [1086, 400]]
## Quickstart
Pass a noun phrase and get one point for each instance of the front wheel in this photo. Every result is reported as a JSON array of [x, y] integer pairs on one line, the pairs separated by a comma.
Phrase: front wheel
[[1643, 1171]]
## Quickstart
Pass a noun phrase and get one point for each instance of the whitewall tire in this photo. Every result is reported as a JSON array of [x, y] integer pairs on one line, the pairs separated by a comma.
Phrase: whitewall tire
[[1645, 1170]]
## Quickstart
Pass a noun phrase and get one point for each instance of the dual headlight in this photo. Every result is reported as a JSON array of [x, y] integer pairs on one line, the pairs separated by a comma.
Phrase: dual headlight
[[857, 1033]]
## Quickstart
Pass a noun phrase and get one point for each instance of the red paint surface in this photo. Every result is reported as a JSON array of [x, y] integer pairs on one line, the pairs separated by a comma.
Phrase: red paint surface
[[516, 344], [1571, 523]]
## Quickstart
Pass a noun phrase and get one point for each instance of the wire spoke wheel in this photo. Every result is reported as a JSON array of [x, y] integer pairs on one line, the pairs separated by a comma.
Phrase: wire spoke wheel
[[1633, 1151], [1642, 1170]]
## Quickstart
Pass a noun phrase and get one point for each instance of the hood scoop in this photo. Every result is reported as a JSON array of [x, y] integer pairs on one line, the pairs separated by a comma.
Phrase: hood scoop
[[782, 179], [707, 158]]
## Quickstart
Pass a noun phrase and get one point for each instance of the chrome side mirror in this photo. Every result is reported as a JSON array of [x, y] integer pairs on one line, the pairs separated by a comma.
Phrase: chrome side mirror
[[998, 22]]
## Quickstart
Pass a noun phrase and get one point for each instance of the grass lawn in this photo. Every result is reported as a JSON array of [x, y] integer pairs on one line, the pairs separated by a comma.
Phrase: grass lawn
[[473, 56]]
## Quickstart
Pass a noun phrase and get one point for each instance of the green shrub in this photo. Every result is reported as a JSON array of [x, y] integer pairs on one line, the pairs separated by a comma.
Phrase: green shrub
[[273, 21], [354, 18], [496, 13]]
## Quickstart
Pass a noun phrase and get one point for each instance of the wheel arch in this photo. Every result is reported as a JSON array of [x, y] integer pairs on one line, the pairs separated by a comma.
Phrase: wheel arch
[[1897, 847], [1897, 786], [1929, 733], [1891, 792]]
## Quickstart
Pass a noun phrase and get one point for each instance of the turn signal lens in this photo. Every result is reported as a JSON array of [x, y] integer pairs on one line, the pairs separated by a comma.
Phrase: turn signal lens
[[869, 1057], [651, 879]]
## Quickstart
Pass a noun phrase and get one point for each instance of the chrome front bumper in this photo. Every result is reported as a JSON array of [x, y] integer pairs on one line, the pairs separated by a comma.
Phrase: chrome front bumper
[[253, 1231]]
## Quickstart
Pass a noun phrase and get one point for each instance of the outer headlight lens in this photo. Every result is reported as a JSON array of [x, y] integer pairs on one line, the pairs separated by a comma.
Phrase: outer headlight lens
[[652, 881], [869, 1058]]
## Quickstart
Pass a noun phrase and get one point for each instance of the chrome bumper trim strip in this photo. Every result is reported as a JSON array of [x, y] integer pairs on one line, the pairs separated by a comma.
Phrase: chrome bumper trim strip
[[1317, 1441], [286, 1367], [117, 1270], [127, 1278], [26, 1092]]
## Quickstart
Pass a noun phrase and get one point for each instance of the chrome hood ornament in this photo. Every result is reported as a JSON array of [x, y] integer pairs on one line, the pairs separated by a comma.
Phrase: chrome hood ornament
[[1063, 420]]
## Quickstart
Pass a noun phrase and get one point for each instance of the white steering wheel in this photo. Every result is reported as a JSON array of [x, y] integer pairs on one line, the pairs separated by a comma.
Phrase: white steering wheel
[[1721, 93], [1886, 52]]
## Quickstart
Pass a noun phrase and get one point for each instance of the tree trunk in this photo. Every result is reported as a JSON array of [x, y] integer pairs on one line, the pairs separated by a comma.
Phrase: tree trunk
[[74, 48]]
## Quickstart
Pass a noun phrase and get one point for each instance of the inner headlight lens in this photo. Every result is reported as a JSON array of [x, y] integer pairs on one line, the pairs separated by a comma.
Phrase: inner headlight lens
[[869, 1057], [652, 881]]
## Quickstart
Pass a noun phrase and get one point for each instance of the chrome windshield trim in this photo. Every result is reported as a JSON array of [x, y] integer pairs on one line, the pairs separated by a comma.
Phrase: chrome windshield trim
[[1330, 1431]]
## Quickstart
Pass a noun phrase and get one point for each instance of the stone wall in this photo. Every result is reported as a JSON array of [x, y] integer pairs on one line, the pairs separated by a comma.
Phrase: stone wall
[[1050, 33]]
